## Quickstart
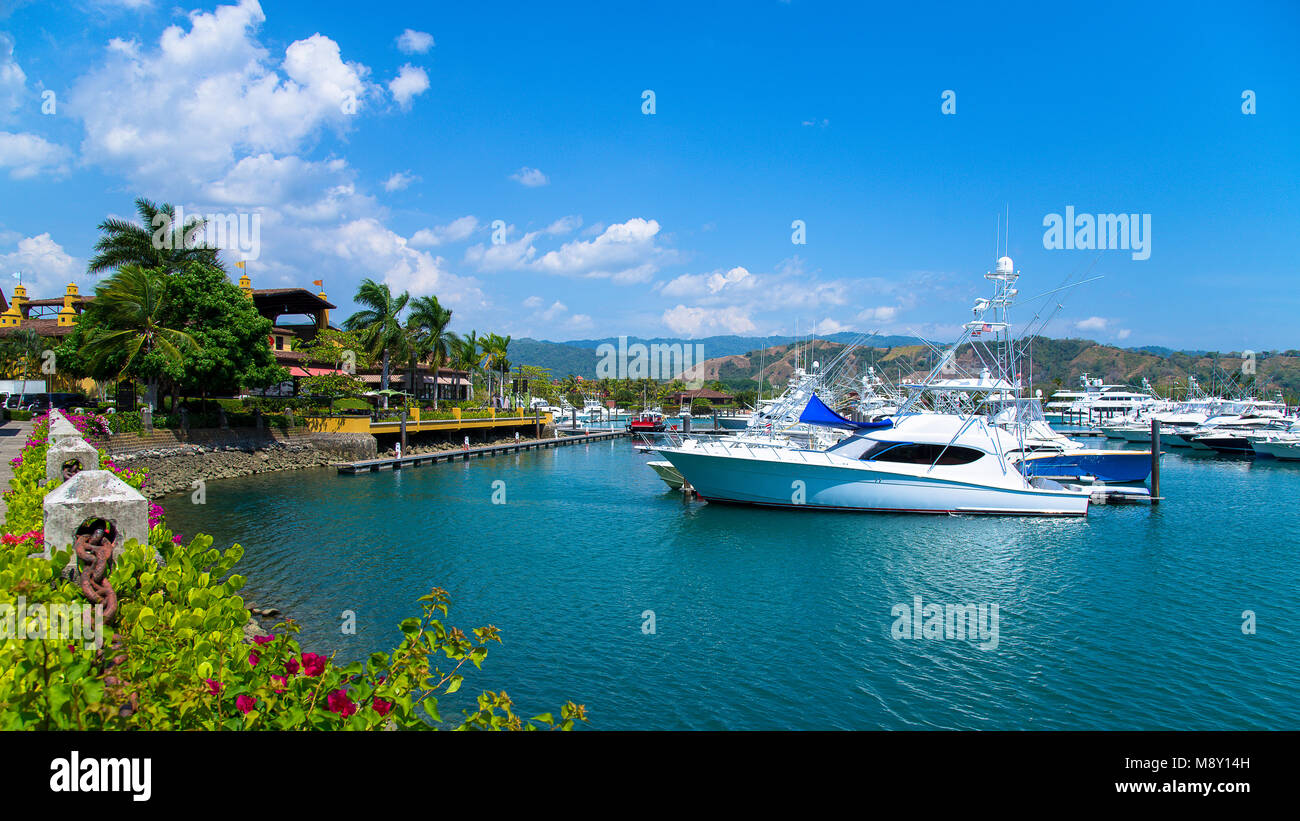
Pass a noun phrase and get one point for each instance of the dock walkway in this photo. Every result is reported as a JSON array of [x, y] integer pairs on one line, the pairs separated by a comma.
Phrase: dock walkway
[[465, 454]]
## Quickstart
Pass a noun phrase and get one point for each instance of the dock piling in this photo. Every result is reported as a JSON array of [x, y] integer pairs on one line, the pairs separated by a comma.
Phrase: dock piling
[[1155, 461]]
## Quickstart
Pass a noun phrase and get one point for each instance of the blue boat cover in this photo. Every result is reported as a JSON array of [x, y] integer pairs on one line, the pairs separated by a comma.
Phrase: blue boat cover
[[817, 413]]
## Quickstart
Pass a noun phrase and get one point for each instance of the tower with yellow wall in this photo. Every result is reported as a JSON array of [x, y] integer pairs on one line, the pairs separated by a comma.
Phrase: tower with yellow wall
[[68, 314], [13, 317]]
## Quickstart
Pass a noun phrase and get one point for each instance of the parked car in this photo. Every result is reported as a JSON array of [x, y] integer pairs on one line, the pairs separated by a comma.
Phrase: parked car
[[42, 402]]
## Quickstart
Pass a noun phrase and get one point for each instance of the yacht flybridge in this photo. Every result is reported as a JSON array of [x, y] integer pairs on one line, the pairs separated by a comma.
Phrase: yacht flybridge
[[942, 452]]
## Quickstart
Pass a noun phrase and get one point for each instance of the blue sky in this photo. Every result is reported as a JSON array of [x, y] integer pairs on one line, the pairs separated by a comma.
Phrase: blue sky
[[385, 140]]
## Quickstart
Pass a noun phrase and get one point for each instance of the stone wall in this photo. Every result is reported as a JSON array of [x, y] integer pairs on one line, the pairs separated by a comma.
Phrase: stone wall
[[175, 460]]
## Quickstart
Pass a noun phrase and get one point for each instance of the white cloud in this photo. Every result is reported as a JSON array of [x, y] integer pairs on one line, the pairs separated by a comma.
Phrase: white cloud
[[507, 256], [883, 313], [454, 231], [697, 321], [830, 326], [533, 302], [1092, 323], [530, 177], [28, 155], [399, 181], [622, 251], [414, 42], [12, 79], [45, 266], [1123, 333], [216, 85], [687, 285], [410, 82], [564, 225], [366, 242]]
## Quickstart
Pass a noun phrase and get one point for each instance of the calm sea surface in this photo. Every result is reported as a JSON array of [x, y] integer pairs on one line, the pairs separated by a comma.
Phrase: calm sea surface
[[768, 619]]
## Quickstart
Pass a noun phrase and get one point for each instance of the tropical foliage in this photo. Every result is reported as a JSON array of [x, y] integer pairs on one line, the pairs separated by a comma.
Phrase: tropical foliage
[[186, 662]]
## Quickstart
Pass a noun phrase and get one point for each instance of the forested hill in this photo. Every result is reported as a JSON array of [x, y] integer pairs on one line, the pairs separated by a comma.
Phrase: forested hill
[[1056, 363]]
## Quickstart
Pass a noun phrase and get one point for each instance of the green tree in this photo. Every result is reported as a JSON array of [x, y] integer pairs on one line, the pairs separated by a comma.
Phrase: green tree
[[232, 350], [124, 330], [339, 351], [429, 338], [21, 354], [466, 356], [379, 326], [495, 350], [158, 243]]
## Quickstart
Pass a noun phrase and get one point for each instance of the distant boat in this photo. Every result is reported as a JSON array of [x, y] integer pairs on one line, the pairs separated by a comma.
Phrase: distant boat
[[647, 422]]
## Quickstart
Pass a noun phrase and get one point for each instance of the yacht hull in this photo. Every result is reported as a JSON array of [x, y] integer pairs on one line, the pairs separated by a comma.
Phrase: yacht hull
[[1286, 451], [807, 485], [1106, 466]]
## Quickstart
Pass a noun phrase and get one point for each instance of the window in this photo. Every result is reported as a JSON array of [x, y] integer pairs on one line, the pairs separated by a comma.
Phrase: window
[[915, 453]]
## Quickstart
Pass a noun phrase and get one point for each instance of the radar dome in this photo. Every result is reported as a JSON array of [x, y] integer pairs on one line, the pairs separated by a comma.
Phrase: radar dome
[[1004, 265]]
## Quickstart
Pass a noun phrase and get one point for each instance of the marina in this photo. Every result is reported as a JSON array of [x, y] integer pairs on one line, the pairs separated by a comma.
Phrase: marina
[[1106, 620]]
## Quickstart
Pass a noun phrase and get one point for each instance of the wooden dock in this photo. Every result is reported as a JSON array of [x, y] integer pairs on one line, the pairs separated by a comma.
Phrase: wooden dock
[[465, 454]]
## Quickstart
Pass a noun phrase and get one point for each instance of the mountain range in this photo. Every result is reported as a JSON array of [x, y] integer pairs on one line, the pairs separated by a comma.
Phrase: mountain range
[[735, 361]]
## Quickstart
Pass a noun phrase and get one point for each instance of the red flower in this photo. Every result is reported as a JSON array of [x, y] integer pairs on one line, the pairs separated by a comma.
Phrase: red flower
[[263, 639], [245, 704], [339, 702], [213, 686], [280, 680], [382, 707], [312, 664], [252, 659], [291, 666]]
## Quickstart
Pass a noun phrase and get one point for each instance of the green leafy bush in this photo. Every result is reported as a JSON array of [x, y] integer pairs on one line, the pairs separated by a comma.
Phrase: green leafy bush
[[187, 663]]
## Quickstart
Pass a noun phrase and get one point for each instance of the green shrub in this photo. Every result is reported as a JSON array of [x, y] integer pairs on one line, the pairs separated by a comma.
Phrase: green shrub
[[186, 662]]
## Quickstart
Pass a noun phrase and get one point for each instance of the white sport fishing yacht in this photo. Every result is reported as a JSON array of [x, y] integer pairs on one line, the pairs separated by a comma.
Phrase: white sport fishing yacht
[[1096, 402], [957, 461]]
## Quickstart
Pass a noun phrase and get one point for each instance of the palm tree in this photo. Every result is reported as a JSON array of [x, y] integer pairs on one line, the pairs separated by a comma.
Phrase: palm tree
[[429, 320], [129, 305], [19, 352], [378, 325], [495, 348], [156, 243], [465, 356]]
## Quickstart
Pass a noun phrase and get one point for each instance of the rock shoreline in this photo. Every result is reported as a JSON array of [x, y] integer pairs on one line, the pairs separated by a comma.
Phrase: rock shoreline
[[177, 468]]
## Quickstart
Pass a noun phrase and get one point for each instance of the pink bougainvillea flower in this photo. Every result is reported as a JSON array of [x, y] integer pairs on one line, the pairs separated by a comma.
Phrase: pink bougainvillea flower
[[291, 666], [177, 539], [253, 659], [245, 704], [339, 702], [280, 680], [382, 707], [313, 664], [264, 639], [214, 687]]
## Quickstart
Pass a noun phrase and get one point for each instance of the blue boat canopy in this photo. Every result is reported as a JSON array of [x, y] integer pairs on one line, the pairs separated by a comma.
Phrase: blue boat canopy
[[817, 413]]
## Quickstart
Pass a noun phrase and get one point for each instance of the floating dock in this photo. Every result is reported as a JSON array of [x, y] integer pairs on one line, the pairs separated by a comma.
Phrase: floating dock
[[465, 454]]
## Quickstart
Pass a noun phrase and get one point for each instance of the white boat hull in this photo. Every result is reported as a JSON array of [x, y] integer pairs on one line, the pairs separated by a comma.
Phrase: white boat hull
[[1286, 451], [814, 482]]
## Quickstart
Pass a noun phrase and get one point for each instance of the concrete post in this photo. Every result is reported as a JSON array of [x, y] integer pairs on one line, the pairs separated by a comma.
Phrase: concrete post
[[288, 419], [61, 429], [65, 450], [185, 420], [94, 494], [146, 419]]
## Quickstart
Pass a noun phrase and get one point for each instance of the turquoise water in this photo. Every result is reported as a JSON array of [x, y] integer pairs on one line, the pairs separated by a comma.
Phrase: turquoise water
[[765, 619]]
